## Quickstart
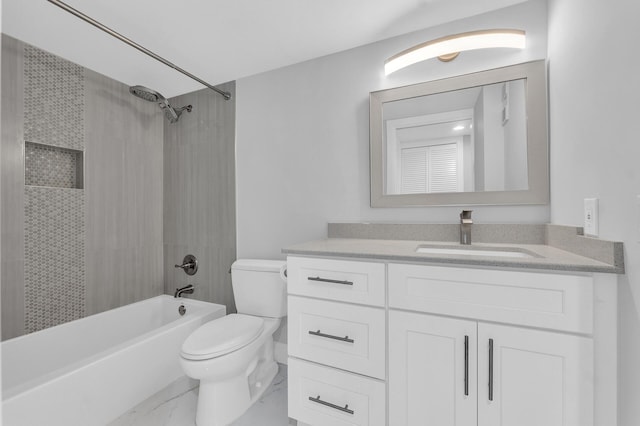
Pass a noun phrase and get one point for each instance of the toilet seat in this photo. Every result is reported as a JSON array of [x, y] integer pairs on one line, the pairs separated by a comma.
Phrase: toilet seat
[[222, 336]]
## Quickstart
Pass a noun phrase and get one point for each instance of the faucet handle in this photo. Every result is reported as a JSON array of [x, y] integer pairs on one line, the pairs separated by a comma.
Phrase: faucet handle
[[189, 264], [465, 216]]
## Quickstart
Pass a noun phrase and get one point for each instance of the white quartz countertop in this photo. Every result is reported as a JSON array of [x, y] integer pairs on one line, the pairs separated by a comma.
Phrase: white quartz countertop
[[541, 256]]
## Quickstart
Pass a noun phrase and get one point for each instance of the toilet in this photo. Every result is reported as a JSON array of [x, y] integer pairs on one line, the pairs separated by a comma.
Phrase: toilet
[[232, 356]]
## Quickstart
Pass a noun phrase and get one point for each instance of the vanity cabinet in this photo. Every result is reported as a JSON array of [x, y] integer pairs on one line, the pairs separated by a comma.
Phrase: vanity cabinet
[[336, 342], [451, 372], [457, 372], [403, 344]]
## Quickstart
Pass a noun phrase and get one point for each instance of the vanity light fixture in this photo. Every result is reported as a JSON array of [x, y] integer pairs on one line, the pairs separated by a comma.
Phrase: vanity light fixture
[[448, 48]]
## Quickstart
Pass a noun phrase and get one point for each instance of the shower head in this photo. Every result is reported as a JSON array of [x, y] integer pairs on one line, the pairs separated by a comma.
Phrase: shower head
[[172, 114], [146, 94]]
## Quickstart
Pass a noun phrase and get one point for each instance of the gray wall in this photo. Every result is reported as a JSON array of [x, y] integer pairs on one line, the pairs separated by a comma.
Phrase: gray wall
[[595, 150], [199, 195], [303, 136], [123, 193], [12, 190], [108, 236], [1, 188]]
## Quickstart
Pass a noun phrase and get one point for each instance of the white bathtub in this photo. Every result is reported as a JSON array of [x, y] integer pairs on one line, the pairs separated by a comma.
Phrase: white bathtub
[[90, 371]]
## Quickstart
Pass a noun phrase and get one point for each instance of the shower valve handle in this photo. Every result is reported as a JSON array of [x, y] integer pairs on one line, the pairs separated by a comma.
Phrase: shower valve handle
[[189, 264]]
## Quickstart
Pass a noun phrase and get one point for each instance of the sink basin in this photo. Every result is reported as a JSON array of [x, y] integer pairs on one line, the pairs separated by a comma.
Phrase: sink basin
[[476, 251]]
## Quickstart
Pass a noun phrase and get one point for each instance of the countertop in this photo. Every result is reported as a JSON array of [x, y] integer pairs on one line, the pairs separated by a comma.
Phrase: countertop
[[543, 256]]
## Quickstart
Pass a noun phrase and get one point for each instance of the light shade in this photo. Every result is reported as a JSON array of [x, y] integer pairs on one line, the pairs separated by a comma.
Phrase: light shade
[[447, 48]]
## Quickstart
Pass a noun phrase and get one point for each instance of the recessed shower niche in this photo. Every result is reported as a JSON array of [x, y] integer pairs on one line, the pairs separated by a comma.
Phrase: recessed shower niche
[[54, 234], [52, 166]]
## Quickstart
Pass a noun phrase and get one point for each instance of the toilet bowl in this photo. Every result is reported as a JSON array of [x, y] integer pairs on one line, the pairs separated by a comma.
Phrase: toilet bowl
[[233, 356]]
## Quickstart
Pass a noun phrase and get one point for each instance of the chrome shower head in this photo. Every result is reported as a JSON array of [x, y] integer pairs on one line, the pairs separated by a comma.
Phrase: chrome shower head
[[146, 94], [172, 114]]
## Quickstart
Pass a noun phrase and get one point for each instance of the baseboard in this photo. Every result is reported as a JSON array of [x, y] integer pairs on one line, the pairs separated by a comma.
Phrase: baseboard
[[280, 352]]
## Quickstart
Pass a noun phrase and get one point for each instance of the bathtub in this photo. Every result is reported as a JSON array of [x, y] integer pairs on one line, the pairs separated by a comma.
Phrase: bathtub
[[90, 371]]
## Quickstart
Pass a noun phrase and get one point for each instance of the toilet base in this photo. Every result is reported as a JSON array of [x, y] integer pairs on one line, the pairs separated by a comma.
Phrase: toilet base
[[233, 396]]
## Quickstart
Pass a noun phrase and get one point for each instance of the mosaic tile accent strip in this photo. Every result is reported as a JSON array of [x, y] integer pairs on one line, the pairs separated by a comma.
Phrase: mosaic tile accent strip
[[53, 100], [54, 256], [51, 166]]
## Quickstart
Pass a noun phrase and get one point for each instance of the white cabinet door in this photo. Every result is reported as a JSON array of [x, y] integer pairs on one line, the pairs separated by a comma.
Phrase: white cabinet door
[[432, 370], [533, 378]]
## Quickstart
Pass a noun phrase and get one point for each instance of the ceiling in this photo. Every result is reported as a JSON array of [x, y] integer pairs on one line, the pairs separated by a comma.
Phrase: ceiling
[[216, 40]]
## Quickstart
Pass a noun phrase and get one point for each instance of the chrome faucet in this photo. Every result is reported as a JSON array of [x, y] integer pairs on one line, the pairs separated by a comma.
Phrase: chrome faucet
[[189, 264], [465, 227], [188, 289]]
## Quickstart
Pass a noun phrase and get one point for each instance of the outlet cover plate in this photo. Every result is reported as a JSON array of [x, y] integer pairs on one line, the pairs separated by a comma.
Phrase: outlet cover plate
[[591, 217]]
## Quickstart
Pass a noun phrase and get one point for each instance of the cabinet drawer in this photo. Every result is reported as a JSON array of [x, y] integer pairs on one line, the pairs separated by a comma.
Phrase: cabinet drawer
[[323, 396], [553, 301], [340, 335], [347, 281]]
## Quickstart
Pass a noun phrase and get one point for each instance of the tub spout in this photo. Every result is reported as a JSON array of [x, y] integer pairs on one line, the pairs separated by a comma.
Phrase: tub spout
[[184, 290]]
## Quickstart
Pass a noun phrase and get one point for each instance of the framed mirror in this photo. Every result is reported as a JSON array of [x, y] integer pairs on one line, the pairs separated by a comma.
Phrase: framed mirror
[[474, 139]]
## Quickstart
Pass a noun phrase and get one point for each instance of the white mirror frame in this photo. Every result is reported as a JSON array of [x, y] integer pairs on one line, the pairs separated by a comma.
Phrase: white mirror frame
[[537, 139]]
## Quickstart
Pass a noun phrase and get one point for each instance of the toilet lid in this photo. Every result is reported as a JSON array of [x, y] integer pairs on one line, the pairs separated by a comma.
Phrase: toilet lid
[[221, 336]]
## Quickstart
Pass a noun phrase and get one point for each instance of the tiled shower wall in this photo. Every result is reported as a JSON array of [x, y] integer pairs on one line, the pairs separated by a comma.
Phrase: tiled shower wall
[[54, 256], [199, 195], [54, 217], [68, 252], [53, 100]]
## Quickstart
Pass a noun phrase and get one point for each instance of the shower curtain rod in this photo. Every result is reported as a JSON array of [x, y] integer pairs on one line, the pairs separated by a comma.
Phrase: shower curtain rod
[[135, 45]]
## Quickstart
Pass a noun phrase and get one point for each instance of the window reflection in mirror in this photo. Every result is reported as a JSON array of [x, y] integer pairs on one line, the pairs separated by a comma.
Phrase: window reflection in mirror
[[467, 140], [472, 139]]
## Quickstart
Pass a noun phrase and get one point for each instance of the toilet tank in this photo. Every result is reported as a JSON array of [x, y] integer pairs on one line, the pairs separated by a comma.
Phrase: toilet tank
[[259, 287]]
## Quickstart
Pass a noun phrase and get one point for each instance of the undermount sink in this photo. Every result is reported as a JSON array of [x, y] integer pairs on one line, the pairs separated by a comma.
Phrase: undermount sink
[[475, 251]]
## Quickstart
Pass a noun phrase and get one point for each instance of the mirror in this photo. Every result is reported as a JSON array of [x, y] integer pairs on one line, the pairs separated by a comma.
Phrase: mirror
[[474, 139]]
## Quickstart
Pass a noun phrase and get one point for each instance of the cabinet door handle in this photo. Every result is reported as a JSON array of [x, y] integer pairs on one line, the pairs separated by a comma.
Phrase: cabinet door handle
[[331, 336], [327, 280], [490, 369], [466, 365], [344, 409]]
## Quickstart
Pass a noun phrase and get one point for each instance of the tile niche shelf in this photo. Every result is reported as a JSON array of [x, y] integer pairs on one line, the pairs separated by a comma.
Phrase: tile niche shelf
[[52, 166]]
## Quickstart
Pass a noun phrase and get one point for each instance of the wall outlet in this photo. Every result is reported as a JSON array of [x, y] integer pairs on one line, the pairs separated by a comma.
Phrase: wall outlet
[[591, 217]]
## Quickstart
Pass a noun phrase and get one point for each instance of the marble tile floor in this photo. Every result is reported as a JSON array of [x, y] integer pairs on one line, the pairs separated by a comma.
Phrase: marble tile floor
[[175, 405]]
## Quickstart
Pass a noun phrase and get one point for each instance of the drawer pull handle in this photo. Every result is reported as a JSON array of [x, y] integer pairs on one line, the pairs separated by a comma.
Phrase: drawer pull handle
[[466, 365], [327, 280], [345, 409], [331, 336], [490, 369]]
